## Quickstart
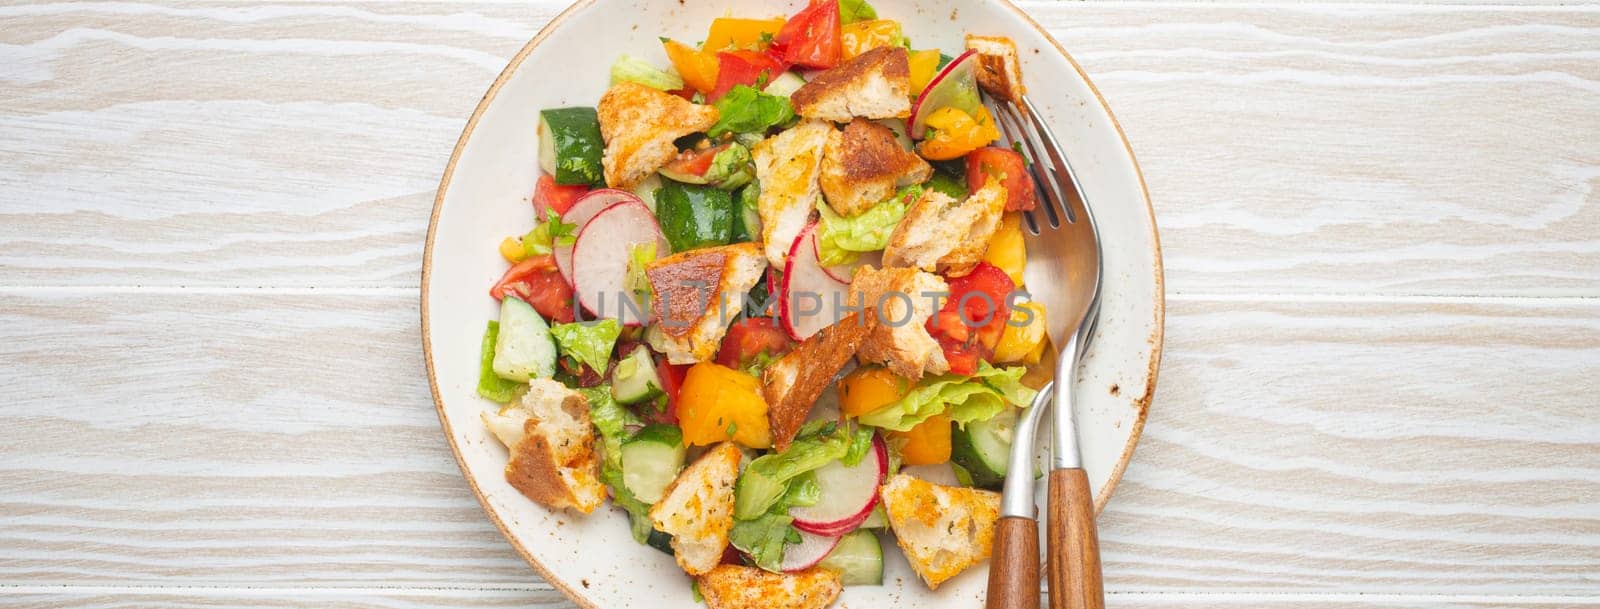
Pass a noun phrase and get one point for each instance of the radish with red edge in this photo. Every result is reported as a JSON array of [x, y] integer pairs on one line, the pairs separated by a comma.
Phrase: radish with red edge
[[601, 256], [579, 215], [848, 494], [843, 272], [809, 292], [955, 86], [810, 551]]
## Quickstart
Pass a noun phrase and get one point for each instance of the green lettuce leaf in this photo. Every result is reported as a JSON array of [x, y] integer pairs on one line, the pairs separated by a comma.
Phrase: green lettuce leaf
[[490, 385], [964, 399], [612, 420], [851, 11], [589, 342], [551, 232], [840, 239], [731, 168], [764, 537], [632, 69], [744, 109], [765, 482]]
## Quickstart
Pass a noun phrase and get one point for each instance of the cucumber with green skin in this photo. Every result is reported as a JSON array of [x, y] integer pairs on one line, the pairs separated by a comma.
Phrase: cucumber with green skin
[[570, 146], [661, 541], [695, 216], [651, 459], [983, 448], [523, 348], [635, 379], [858, 558]]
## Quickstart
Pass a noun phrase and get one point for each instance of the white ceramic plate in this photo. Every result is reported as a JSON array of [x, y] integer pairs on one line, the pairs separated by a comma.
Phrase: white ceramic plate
[[484, 196]]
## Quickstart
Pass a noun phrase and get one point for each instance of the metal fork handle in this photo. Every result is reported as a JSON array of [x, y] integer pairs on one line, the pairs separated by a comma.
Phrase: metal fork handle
[[1014, 561]]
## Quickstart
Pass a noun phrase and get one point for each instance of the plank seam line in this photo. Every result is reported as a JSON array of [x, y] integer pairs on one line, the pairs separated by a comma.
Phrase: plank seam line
[[18, 589], [1398, 7]]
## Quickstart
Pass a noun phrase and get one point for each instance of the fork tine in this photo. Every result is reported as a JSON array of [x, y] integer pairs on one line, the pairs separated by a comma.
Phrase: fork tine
[[1064, 176], [1016, 129]]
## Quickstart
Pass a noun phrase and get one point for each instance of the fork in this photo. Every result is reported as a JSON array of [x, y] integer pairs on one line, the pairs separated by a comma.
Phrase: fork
[[1066, 234]]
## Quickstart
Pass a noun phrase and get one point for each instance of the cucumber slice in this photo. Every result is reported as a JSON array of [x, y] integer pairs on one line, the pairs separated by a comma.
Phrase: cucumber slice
[[858, 558], [524, 348], [983, 448], [570, 139], [878, 519], [660, 541], [635, 380], [651, 460]]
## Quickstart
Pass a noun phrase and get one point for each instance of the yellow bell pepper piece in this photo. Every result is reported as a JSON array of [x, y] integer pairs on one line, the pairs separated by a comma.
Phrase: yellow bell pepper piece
[[927, 443], [869, 388], [511, 249], [862, 36], [732, 33], [955, 133], [1006, 248], [717, 403], [924, 66], [1018, 343], [698, 68]]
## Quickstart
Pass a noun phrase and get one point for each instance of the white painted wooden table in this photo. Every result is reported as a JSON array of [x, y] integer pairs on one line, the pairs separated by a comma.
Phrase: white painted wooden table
[[1382, 235]]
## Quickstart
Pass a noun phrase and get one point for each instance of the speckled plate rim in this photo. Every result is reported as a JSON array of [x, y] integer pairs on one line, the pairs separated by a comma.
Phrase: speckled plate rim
[[1158, 323]]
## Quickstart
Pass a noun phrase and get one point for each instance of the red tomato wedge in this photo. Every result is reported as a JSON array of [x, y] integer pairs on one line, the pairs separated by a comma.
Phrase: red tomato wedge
[[547, 194], [750, 338], [1008, 166], [537, 282], [812, 37], [736, 68], [970, 324], [694, 162], [671, 379]]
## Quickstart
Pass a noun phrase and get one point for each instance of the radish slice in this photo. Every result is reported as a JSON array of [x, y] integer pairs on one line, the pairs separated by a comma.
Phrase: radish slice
[[809, 292], [955, 86], [810, 551], [600, 260], [579, 214], [843, 272], [848, 494]]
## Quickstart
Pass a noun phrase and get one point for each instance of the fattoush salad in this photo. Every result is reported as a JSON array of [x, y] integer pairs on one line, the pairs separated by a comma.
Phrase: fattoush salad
[[772, 306]]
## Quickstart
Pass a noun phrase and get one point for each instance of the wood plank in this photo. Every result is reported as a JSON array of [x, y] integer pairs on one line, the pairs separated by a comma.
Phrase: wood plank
[[244, 438], [1289, 149]]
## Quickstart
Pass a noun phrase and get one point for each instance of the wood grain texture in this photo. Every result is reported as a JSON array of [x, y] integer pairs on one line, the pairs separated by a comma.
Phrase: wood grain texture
[[1014, 565], [1072, 547], [224, 439], [1288, 149]]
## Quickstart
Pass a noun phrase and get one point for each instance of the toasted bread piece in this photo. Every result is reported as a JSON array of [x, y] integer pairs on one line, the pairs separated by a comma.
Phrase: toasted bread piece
[[942, 529], [999, 70], [741, 587], [792, 384], [787, 165], [551, 440], [697, 509], [903, 300], [639, 124], [874, 84], [698, 293], [939, 234], [863, 165]]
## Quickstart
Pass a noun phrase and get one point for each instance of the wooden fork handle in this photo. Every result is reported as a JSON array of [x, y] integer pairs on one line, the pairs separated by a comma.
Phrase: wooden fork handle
[[1014, 565], [1073, 546]]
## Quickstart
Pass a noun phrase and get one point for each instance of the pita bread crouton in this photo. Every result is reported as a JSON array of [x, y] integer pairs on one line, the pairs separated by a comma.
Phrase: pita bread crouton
[[697, 509], [942, 529], [902, 299], [638, 124], [999, 70], [864, 165], [792, 384], [741, 587], [874, 84], [697, 294], [551, 440], [943, 235], [787, 165]]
